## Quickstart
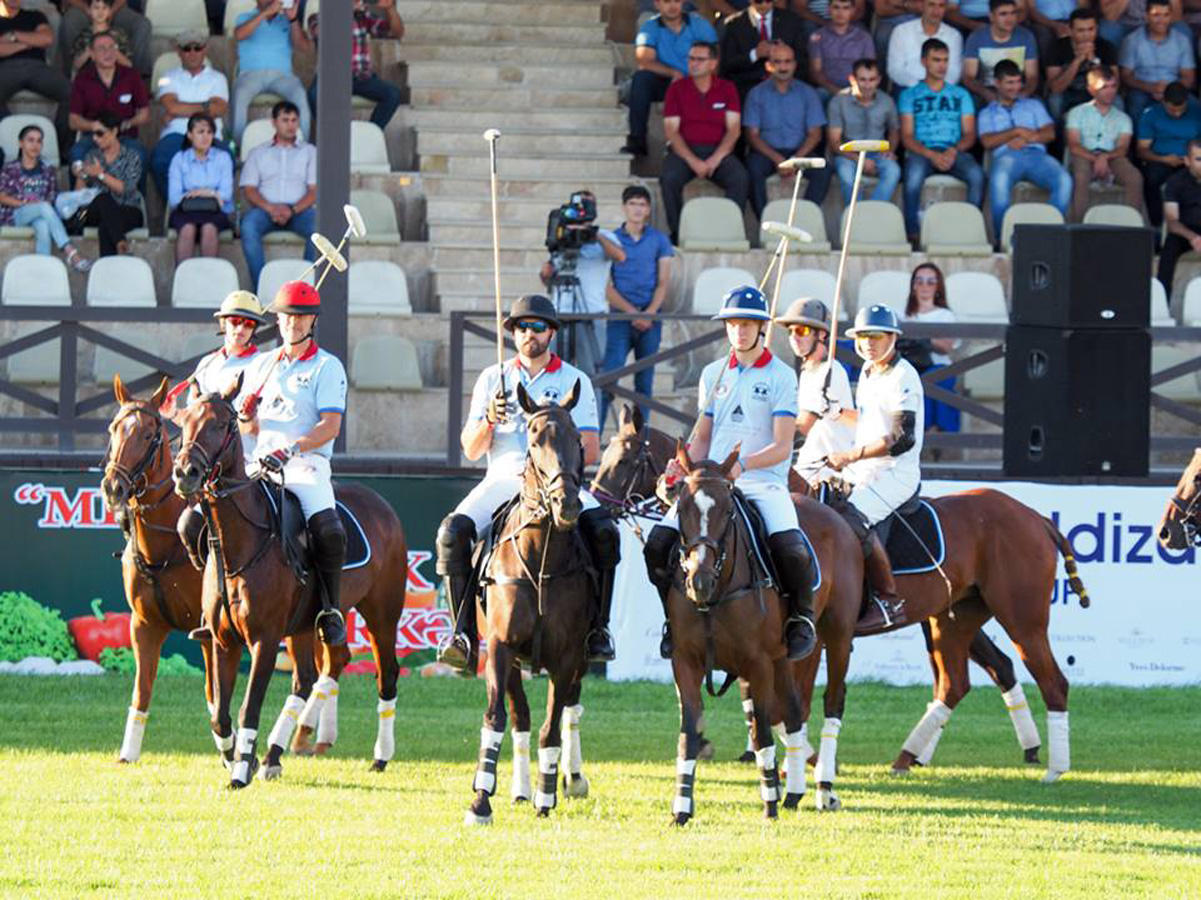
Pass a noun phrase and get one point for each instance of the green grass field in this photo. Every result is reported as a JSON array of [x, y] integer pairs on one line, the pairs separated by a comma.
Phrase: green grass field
[[1125, 822]]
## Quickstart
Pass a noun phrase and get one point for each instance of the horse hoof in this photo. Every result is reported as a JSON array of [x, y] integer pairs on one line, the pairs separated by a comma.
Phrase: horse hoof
[[236, 785], [271, 773], [771, 810], [122, 761], [792, 801], [680, 819], [323, 749], [1031, 756], [828, 802], [706, 750], [575, 786], [543, 812], [379, 765], [812, 761], [519, 799], [472, 819], [898, 771], [1052, 775], [748, 756]]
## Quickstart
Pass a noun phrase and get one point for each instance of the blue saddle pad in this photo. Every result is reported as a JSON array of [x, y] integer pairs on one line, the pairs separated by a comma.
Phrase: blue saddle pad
[[920, 546]]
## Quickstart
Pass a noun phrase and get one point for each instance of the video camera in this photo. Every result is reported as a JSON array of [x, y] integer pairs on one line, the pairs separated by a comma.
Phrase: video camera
[[569, 227]]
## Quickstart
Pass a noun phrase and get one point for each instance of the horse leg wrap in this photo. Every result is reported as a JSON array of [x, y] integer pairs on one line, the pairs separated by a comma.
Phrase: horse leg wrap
[[521, 766], [1059, 749], [224, 744], [570, 731], [685, 779], [327, 724], [1019, 714], [769, 775], [827, 756], [795, 747], [246, 741], [937, 715], [485, 773], [385, 736], [926, 755], [548, 776], [320, 693], [281, 734], [135, 727], [748, 713]]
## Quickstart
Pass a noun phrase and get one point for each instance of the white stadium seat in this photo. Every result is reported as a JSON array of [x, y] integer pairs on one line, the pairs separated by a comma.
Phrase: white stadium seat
[[889, 287], [379, 215], [379, 287], [713, 284], [10, 129], [879, 228], [1161, 315], [35, 280], [121, 281], [385, 362], [368, 150], [712, 223], [203, 282], [275, 273], [976, 297], [808, 217]]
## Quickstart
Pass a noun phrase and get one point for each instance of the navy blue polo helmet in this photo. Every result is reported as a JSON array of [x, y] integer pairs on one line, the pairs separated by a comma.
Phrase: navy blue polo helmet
[[746, 302]]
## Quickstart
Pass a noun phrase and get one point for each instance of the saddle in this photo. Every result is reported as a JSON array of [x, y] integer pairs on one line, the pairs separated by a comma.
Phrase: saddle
[[288, 521], [762, 554], [912, 535]]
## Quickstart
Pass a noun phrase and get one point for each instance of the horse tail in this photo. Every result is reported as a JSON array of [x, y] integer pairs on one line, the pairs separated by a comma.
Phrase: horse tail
[[1069, 562]]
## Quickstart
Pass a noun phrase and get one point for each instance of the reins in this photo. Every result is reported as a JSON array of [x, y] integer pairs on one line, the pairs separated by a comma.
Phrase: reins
[[1188, 513]]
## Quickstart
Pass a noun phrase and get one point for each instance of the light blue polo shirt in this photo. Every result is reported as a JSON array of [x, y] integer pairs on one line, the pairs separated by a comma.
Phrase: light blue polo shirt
[[1026, 112], [637, 277], [1156, 60], [744, 408], [670, 48], [270, 47], [1098, 132], [215, 371], [295, 394], [783, 119], [937, 115]]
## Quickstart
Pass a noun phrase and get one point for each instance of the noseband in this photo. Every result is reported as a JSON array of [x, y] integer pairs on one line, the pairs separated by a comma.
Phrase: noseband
[[134, 476], [718, 545]]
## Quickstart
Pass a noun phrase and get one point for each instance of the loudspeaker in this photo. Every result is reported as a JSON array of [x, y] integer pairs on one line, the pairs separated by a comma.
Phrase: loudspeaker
[[1077, 401], [1081, 276]]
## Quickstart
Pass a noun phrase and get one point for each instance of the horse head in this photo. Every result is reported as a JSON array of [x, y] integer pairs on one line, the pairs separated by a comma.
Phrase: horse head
[[627, 468], [209, 444], [1178, 527], [554, 457], [705, 507], [136, 440]]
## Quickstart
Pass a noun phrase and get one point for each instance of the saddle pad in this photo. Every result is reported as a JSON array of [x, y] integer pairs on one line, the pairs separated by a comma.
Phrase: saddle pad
[[910, 553], [358, 548], [759, 535]]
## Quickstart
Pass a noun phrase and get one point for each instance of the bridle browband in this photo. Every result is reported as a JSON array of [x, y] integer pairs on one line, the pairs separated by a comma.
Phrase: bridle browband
[[1188, 513], [539, 503], [134, 476], [627, 499]]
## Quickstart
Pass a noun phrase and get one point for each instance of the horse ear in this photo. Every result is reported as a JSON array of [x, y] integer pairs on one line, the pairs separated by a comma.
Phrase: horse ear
[[625, 418], [234, 388], [731, 459], [119, 390], [525, 400], [682, 455], [573, 397], [636, 416], [161, 394]]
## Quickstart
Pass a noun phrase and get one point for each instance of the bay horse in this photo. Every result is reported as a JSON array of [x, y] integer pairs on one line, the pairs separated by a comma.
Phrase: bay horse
[[1178, 528], [1001, 561], [162, 587], [538, 601], [252, 597], [725, 613]]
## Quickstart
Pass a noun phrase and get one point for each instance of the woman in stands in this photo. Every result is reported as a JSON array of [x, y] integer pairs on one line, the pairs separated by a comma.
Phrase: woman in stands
[[927, 303], [200, 189], [114, 169], [27, 189]]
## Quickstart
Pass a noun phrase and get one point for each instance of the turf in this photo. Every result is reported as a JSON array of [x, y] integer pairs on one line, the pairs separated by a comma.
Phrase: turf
[[1125, 822]]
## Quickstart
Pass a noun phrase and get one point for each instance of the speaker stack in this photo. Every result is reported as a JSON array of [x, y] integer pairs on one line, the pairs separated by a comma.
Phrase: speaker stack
[[1078, 352]]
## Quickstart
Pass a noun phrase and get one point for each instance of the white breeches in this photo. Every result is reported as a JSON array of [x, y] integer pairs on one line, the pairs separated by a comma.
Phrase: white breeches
[[307, 475], [487, 496], [771, 499], [824, 438], [879, 497]]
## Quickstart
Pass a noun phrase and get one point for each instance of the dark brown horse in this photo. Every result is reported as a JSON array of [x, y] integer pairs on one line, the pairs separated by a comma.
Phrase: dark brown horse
[[253, 599], [725, 614], [1179, 528], [538, 604], [161, 585]]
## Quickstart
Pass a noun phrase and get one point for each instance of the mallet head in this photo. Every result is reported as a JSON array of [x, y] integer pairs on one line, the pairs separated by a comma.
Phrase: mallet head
[[865, 146], [791, 232], [355, 226], [491, 134], [329, 252], [802, 162]]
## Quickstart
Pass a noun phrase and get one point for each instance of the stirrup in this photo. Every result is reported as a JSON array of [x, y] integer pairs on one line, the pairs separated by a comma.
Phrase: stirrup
[[600, 646], [665, 643], [331, 627], [455, 651], [808, 640], [201, 632]]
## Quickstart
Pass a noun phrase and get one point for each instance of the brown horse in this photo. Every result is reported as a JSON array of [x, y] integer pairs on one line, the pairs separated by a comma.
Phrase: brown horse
[[1178, 529], [161, 585], [253, 599], [538, 603], [987, 534], [725, 614]]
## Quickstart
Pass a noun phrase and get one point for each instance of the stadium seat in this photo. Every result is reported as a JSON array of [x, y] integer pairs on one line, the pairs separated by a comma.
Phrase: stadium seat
[[379, 215], [809, 283], [257, 131], [368, 150], [378, 287], [713, 284], [203, 282], [37, 365], [121, 281], [889, 287], [712, 223], [385, 362], [878, 229], [977, 297], [1027, 214], [1161, 314], [1190, 311], [108, 363], [808, 217], [10, 128], [171, 17], [1183, 388], [275, 273], [1114, 214], [954, 229], [35, 280]]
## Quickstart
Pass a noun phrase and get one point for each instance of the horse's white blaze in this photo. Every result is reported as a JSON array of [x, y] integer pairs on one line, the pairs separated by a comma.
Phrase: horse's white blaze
[[704, 504]]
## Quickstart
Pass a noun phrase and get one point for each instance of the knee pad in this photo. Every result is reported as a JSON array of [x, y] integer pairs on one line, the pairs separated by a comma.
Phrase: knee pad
[[456, 537], [602, 537], [189, 526], [660, 545], [329, 537]]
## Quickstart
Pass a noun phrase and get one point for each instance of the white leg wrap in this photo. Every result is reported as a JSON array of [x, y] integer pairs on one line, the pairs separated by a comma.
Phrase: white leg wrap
[[521, 766], [241, 769], [224, 744], [327, 726], [135, 727], [548, 775], [246, 739], [570, 738], [827, 756], [928, 754], [1059, 749], [385, 736], [281, 734], [794, 751], [685, 781], [748, 711], [1019, 714], [937, 714], [485, 773], [769, 779], [317, 698]]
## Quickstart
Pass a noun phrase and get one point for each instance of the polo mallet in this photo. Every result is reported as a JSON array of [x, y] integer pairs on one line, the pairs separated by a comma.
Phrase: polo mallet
[[793, 164], [331, 255], [492, 135], [788, 234]]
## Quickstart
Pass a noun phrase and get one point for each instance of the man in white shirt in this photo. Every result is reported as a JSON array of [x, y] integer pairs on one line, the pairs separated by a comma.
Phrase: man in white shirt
[[905, 66]]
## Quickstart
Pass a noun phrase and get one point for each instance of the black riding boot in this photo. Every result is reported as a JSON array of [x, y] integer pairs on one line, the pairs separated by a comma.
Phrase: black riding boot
[[881, 609], [456, 538], [329, 555], [191, 532], [659, 552], [791, 556], [604, 544]]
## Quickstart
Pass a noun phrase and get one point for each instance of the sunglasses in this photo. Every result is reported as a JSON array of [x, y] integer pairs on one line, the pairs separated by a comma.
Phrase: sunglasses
[[870, 335], [925, 279], [192, 48], [535, 325], [801, 330], [239, 322]]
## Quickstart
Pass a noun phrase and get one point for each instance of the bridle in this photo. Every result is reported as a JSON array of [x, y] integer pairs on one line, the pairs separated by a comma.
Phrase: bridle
[[627, 499], [212, 473], [539, 502], [134, 477], [719, 545], [1188, 513]]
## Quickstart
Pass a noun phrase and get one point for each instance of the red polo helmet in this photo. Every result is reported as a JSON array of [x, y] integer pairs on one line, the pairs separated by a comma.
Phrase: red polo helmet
[[299, 298]]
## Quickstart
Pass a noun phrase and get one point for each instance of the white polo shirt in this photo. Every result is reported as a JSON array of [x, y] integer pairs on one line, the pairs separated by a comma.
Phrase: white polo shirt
[[506, 456], [745, 406], [281, 172], [879, 397], [827, 432], [215, 371], [188, 88], [295, 395]]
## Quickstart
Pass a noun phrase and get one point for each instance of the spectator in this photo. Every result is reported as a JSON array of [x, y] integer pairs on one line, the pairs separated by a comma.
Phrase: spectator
[[1016, 130], [888, 15], [702, 122], [864, 112], [104, 85], [639, 285], [969, 16], [100, 13], [938, 128], [815, 14], [114, 169], [1004, 38], [1120, 17], [1049, 20], [24, 36], [363, 80], [1164, 132], [27, 189], [747, 39], [1153, 56], [265, 37], [194, 87], [200, 194], [279, 181], [906, 45], [661, 51], [1182, 212], [927, 303], [783, 119], [1099, 137], [1071, 58], [834, 48], [78, 17]]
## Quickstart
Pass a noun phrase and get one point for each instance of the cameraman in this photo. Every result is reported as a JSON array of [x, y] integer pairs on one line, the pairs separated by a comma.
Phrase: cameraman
[[584, 264]]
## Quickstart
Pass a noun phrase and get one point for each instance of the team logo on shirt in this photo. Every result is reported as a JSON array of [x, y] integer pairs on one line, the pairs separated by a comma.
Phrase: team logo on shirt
[[737, 415], [723, 390], [299, 381], [550, 395], [760, 392]]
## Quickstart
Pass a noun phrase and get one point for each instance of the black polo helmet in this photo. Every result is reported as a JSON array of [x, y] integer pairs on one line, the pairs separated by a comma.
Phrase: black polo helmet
[[531, 306]]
